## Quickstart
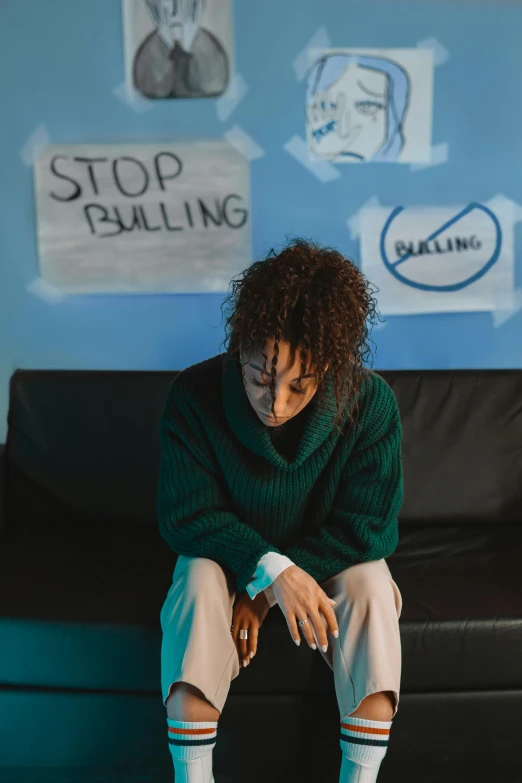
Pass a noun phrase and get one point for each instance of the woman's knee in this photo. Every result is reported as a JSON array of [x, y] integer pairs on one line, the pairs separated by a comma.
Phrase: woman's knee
[[204, 575], [367, 582], [199, 587], [187, 702], [199, 580]]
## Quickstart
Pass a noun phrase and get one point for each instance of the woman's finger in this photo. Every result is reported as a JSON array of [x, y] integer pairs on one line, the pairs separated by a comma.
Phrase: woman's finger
[[306, 630], [243, 646], [329, 616], [235, 638], [253, 634], [292, 627], [320, 631]]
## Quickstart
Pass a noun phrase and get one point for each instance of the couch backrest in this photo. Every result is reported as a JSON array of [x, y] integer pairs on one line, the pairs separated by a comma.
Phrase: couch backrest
[[83, 446], [462, 444]]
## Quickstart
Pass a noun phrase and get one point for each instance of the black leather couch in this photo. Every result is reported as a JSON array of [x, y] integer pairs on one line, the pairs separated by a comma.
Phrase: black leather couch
[[84, 572]]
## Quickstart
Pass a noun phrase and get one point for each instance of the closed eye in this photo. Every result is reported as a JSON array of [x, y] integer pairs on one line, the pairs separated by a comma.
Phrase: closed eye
[[296, 391], [368, 108]]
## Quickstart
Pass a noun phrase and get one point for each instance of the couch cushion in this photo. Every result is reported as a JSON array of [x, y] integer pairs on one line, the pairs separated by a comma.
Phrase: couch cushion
[[461, 619], [80, 609]]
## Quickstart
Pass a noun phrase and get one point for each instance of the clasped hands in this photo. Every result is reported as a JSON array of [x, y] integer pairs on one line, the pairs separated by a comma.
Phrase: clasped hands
[[300, 598]]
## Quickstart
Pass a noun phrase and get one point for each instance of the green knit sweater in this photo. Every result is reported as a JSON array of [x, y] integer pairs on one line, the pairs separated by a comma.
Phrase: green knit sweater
[[226, 493]]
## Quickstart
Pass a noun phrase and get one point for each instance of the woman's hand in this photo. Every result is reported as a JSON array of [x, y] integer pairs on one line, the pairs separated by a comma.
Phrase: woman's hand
[[248, 614], [301, 598]]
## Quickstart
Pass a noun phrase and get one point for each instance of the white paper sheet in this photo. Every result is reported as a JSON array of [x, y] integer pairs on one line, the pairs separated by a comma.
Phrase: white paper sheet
[[178, 49], [370, 105], [439, 259], [142, 218]]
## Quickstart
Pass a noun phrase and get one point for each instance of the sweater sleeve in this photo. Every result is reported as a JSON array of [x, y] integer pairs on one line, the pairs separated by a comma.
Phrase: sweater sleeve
[[194, 514], [363, 522]]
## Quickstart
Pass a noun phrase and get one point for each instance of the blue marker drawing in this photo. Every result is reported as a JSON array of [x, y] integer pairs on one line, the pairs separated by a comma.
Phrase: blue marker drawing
[[356, 106], [392, 267]]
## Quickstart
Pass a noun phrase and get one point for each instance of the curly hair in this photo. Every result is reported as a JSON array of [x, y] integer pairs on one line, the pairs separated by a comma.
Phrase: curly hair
[[314, 298]]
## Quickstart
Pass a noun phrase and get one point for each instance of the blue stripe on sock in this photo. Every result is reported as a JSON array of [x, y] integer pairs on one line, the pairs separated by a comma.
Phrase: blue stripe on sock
[[205, 741], [363, 741]]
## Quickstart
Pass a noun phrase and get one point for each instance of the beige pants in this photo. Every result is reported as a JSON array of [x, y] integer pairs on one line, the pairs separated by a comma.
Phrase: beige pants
[[198, 648]]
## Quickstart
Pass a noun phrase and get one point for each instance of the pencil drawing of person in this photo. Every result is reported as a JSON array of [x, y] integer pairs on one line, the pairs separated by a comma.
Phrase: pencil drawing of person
[[180, 59], [356, 107]]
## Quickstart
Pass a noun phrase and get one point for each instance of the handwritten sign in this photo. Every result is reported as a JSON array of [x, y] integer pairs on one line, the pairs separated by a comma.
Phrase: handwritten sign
[[436, 259], [142, 218]]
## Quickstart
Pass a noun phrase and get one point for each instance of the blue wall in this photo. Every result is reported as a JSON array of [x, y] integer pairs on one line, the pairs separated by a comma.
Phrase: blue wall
[[59, 63]]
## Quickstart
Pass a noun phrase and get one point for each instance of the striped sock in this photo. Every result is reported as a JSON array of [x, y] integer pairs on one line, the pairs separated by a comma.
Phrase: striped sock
[[365, 741], [191, 744]]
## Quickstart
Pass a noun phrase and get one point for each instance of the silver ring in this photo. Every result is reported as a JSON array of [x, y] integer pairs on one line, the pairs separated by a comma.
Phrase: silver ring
[[302, 622], [243, 634]]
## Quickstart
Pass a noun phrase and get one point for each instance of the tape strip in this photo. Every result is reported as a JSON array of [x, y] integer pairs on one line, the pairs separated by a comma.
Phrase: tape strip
[[243, 143], [132, 98], [44, 290], [353, 222], [500, 317], [319, 40], [440, 53], [298, 149], [37, 141], [439, 155], [500, 201], [234, 94]]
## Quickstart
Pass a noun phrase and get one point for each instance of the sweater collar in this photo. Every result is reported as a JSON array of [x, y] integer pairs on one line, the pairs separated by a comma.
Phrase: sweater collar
[[251, 431]]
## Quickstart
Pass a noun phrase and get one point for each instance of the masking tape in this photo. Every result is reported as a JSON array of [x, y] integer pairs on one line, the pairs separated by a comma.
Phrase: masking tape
[[234, 94], [44, 290], [319, 40], [37, 141], [298, 149], [439, 155], [440, 53], [243, 143]]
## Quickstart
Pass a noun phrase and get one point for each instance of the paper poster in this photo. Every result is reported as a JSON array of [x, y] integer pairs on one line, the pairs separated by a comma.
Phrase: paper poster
[[178, 48], [370, 105], [440, 259], [142, 218]]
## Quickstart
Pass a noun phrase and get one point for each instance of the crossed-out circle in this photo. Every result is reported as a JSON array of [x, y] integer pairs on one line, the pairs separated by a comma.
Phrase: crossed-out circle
[[392, 268]]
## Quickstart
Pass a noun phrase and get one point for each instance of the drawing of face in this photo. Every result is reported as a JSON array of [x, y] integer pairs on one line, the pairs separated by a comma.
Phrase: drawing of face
[[177, 20], [354, 108], [349, 117]]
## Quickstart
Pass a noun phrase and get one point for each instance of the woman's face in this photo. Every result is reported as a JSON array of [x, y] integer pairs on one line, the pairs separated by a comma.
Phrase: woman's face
[[349, 118], [292, 392]]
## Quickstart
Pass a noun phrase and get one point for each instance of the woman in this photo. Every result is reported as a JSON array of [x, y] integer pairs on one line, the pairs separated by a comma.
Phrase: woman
[[281, 482]]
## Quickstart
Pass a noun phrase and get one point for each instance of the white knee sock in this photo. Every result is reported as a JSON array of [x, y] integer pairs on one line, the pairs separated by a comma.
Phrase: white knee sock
[[191, 744], [364, 744]]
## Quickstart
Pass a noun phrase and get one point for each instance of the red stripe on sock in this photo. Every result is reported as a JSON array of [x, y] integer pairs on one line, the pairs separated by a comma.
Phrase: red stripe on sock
[[173, 730], [364, 729]]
